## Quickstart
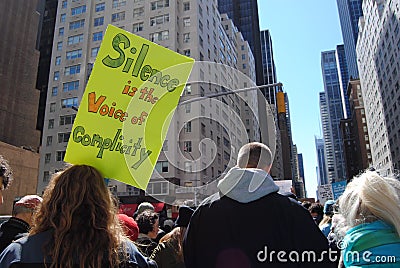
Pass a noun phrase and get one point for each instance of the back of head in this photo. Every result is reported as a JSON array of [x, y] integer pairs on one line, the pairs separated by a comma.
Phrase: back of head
[[254, 155], [144, 206], [316, 208], [27, 204], [130, 226], [371, 197], [146, 221], [185, 213], [328, 207], [306, 204], [77, 204]]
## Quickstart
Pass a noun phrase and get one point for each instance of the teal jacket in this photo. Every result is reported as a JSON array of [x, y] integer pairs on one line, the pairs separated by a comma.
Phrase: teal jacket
[[371, 245]]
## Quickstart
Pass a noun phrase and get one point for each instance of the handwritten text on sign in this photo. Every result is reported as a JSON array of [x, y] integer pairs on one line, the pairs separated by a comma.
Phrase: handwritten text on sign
[[133, 88]]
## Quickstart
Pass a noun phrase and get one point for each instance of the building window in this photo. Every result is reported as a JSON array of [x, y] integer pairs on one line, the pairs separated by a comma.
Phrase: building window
[[186, 52], [118, 3], [186, 22], [94, 52], [98, 21], [49, 140], [157, 188], [56, 75], [100, 7], [62, 17], [118, 16], [54, 91], [138, 12], [59, 46], [52, 107], [58, 60], [188, 107], [74, 69], [159, 19], [186, 37], [60, 156], [97, 36], [47, 158], [76, 24], [74, 54], [63, 137], [186, 6], [69, 86], [187, 146], [68, 103], [78, 10], [159, 36], [188, 127], [67, 119], [64, 4], [162, 166], [75, 39], [159, 4], [51, 124], [138, 27], [61, 31], [46, 174]]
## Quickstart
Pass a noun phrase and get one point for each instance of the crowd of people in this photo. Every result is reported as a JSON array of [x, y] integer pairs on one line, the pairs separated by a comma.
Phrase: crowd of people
[[247, 223]]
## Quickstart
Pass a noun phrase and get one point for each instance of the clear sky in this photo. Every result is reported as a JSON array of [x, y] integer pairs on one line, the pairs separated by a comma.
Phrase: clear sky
[[300, 31]]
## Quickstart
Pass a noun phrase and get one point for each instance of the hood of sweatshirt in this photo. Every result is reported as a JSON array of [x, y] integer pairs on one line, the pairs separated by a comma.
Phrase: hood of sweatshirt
[[247, 184]]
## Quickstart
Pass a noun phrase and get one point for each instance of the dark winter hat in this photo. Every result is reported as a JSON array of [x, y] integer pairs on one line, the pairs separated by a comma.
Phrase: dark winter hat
[[185, 213], [328, 207]]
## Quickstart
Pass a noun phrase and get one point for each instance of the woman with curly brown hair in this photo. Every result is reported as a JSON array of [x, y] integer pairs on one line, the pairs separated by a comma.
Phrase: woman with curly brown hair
[[76, 226]]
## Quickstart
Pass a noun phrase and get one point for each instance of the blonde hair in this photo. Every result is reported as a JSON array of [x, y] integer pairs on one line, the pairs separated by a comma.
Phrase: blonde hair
[[77, 205], [254, 155], [370, 197]]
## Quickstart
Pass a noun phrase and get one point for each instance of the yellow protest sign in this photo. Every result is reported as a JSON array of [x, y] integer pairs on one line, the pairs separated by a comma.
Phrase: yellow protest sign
[[125, 111]]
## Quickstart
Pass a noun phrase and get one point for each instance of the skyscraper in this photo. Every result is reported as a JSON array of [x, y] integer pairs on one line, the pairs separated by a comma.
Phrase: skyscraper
[[300, 180], [321, 168], [268, 67], [331, 121], [46, 39], [380, 80], [244, 14], [343, 79], [349, 13]]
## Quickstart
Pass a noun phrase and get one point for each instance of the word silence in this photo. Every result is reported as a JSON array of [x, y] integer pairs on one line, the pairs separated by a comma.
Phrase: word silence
[[146, 72]]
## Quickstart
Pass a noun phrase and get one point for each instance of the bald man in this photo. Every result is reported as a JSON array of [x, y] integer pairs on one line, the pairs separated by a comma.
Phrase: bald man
[[247, 220], [20, 222]]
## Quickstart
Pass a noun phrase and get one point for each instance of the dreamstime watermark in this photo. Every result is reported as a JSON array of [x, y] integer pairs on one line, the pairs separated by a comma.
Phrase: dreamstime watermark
[[330, 255]]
